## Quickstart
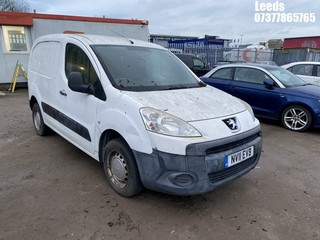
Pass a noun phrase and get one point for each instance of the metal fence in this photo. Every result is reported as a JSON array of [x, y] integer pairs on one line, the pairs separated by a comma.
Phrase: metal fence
[[283, 56], [210, 54], [213, 54]]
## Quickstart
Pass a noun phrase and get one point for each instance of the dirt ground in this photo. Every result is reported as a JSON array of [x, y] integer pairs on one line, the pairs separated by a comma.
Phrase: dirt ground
[[51, 190]]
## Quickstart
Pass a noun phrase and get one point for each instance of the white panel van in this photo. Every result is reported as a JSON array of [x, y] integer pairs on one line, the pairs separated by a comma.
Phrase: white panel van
[[135, 107]]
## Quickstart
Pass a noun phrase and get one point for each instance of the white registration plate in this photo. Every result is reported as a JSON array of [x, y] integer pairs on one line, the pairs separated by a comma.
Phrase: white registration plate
[[238, 157]]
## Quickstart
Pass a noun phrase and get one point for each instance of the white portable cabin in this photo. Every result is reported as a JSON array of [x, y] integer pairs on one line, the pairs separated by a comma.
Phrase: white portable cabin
[[19, 30]]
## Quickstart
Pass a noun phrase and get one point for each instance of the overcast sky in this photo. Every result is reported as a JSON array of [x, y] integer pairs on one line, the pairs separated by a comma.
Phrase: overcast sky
[[228, 19]]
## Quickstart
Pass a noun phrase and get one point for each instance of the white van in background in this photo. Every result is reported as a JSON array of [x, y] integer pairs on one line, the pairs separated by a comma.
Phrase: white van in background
[[139, 110]]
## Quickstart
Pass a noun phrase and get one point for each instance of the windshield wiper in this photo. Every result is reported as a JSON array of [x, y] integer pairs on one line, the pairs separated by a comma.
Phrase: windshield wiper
[[180, 86], [170, 87]]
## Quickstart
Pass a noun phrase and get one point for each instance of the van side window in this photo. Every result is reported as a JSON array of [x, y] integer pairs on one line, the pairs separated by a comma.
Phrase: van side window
[[78, 61]]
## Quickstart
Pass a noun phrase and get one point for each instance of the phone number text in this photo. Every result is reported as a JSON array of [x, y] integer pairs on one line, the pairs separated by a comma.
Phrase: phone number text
[[284, 17]]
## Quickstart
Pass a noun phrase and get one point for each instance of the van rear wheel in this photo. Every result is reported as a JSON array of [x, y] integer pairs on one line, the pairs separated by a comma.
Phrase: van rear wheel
[[41, 128], [120, 168]]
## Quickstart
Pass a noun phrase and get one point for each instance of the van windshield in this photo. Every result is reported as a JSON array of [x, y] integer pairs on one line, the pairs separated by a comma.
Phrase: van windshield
[[135, 68]]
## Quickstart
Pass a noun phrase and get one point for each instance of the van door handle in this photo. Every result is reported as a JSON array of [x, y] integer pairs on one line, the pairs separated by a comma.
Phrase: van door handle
[[63, 93]]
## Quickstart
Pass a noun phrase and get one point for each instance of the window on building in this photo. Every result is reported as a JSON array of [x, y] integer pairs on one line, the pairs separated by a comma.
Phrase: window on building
[[15, 39]]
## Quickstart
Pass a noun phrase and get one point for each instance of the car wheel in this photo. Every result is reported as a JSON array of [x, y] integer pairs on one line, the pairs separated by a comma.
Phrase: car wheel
[[41, 128], [121, 169], [296, 118]]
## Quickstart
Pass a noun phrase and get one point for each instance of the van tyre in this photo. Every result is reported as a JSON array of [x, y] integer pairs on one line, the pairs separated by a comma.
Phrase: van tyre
[[41, 128], [296, 118], [121, 169]]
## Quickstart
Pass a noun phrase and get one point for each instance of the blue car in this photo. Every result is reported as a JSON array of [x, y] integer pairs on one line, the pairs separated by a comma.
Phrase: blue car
[[272, 92]]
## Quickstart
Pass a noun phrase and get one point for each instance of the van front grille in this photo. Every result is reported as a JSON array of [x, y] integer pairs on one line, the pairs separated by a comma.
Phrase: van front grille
[[231, 171], [232, 145]]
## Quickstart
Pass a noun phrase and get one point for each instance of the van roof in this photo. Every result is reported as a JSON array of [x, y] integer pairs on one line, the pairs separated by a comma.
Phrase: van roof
[[98, 40]]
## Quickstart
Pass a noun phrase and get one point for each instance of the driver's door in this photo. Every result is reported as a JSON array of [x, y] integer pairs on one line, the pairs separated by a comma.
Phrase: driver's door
[[77, 111]]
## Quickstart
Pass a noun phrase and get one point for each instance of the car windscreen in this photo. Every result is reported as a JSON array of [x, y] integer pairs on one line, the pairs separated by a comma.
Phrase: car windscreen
[[287, 78], [133, 68]]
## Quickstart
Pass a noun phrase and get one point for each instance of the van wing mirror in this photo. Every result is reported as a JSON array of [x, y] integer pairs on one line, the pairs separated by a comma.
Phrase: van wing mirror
[[76, 83]]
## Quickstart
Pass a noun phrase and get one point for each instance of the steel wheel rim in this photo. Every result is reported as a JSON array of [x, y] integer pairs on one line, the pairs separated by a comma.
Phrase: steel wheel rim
[[296, 119], [37, 120], [118, 170]]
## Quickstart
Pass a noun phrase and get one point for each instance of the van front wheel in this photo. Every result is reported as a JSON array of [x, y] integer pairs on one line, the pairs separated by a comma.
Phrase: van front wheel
[[121, 169]]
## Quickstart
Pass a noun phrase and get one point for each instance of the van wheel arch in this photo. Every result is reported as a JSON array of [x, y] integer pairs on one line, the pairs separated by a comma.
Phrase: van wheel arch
[[106, 136], [32, 101], [119, 164]]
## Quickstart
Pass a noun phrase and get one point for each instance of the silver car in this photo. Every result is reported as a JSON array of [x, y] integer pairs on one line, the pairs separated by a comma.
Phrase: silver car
[[308, 71]]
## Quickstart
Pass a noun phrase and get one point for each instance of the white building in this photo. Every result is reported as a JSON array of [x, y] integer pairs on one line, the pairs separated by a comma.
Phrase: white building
[[19, 30]]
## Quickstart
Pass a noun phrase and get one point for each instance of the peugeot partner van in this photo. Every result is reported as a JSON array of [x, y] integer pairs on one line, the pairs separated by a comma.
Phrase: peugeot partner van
[[135, 107]]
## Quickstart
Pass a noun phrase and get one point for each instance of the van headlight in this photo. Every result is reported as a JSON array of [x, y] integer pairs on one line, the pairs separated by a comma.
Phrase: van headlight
[[163, 123]]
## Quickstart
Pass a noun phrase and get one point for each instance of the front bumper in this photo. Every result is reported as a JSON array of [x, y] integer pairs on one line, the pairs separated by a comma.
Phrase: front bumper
[[202, 169]]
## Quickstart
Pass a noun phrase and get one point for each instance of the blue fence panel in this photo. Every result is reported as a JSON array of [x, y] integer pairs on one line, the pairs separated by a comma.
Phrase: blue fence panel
[[209, 50]]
